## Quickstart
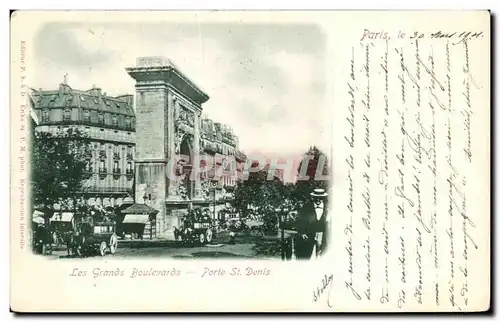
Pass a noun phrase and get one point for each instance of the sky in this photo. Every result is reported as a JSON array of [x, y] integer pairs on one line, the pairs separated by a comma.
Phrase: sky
[[266, 81]]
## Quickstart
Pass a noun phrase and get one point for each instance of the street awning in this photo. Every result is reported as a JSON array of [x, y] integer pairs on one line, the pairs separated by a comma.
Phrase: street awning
[[139, 208], [37, 213], [62, 216], [135, 219], [38, 217]]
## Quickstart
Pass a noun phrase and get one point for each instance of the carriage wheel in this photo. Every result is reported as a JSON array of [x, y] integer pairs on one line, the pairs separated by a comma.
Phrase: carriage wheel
[[102, 248], [202, 238], [209, 235], [113, 244], [69, 246]]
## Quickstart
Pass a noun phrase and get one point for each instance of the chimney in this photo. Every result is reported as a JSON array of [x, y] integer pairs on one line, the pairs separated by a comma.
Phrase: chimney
[[65, 80], [96, 91]]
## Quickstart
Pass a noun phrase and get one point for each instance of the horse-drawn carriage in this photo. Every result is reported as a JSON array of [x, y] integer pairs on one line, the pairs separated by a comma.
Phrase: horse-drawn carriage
[[62, 226], [196, 227], [98, 238]]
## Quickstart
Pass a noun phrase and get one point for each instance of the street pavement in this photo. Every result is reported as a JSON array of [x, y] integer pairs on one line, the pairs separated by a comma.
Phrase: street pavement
[[245, 247]]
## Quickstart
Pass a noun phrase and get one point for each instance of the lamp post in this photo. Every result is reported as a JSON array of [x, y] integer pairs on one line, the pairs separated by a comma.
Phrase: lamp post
[[213, 187]]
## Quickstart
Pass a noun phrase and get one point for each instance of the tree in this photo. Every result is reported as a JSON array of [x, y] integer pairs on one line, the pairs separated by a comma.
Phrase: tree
[[261, 194], [58, 167], [268, 196], [316, 169]]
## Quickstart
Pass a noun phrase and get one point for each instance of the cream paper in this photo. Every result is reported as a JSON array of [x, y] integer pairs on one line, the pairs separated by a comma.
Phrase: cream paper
[[407, 104]]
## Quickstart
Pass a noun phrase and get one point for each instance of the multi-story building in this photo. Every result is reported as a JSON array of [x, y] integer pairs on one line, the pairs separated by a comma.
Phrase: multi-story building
[[219, 139], [219, 142], [110, 124]]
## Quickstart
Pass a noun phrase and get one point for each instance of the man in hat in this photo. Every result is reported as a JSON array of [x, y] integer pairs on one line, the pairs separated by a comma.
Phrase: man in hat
[[312, 226]]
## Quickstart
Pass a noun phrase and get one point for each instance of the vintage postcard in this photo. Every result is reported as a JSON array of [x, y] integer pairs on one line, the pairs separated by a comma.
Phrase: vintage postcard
[[250, 161]]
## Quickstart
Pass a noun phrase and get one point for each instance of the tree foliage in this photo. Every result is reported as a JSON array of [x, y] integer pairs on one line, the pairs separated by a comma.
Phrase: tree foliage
[[267, 197], [258, 192], [58, 166]]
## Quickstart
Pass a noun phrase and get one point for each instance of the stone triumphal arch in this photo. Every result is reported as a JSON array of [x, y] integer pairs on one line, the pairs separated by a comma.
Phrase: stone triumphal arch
[[168, 123]]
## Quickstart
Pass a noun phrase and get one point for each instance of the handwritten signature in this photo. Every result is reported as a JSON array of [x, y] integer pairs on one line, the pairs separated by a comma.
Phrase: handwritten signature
[[326, 282]]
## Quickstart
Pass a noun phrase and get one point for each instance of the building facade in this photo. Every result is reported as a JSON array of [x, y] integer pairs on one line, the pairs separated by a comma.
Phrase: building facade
[[110, 124], [219, 142]]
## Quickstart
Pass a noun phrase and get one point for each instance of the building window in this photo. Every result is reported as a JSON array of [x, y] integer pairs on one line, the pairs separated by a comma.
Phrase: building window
[[114, 119], [102, 151], [102, 169], [128, 122], [67, 115], [116, 153], [129, 171], [101, 118], [89, 154], [86, 115], [46, 115], [130, 155]]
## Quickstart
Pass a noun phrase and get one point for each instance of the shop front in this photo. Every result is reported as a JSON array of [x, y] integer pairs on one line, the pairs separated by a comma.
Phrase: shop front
[[137, 222]]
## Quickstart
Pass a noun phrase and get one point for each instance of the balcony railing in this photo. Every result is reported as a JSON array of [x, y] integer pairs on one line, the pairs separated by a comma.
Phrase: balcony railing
[[117, 173], [103, 173], [87, 173]]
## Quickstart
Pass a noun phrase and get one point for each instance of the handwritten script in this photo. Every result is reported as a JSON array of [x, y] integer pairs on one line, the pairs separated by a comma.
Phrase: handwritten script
[[411, 148]]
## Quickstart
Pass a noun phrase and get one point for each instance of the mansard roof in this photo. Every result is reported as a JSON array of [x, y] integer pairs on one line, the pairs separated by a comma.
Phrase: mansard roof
[[92, 99]]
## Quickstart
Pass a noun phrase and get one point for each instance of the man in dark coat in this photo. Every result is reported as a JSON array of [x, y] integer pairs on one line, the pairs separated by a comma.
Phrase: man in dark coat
[[312, 227]]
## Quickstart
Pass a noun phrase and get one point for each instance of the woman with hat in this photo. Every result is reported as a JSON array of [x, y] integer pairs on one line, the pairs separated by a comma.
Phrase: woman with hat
[[311, 239]]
